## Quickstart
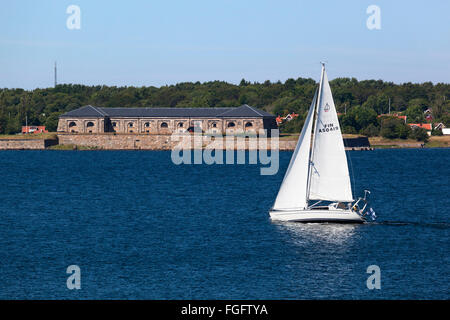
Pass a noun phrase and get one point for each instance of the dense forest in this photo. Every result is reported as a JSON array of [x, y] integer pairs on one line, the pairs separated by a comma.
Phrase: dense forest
[[359, 102]]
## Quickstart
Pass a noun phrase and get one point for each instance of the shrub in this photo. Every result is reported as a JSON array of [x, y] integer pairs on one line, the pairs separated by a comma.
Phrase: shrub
[[371, 131], [393, 128], [436, 132], [419, 134]]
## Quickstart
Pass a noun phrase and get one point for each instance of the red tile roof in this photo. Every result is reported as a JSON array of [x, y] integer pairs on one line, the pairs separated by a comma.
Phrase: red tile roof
[[426, 126], [393, 115]]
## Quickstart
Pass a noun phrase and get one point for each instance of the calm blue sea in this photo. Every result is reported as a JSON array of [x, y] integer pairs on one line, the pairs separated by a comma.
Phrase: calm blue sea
[[140, 227]]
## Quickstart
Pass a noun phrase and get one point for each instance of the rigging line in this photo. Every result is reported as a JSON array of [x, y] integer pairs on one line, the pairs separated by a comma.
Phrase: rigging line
[[352, 181]]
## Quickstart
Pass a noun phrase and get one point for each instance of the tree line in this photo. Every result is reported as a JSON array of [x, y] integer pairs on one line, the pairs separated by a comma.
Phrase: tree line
[[358, 102]]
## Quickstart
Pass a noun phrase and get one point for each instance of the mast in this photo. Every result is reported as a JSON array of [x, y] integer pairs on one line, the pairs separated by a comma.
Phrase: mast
[[55, 75], [316, 113]]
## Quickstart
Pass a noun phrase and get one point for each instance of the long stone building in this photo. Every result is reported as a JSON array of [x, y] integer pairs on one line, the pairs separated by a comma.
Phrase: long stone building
[[89, 119]]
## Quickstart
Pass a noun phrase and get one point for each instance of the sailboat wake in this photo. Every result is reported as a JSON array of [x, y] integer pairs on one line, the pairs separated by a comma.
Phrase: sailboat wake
[[438, 224], [333, 233]]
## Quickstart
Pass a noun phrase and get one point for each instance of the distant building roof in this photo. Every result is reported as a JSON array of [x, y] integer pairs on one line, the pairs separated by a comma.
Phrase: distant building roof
[[291, 116], [396, 115], [439, 125], [279, 120], [244, 111], [426, 126], [288, 117]]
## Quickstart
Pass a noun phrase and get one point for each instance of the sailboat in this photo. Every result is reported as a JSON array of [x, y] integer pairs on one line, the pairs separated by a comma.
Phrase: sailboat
[[316, 186]]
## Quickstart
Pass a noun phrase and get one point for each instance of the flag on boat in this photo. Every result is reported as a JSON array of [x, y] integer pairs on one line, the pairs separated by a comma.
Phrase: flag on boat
[[372, 214]]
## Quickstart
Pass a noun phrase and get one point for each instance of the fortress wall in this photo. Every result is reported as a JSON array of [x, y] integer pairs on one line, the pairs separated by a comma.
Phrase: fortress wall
[[133, 141], [25, 144], [162, 142]]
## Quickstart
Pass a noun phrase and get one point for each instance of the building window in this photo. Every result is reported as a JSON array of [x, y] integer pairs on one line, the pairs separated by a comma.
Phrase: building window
[[147, 124], [214, 125], [114, 124], [90, 124], [72, 124], [164, 125], [231, 125], [130, 124], [180, 125], [248, 125]]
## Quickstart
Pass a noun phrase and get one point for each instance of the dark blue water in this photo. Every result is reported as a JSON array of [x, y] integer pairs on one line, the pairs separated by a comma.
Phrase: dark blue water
[[141, 227]]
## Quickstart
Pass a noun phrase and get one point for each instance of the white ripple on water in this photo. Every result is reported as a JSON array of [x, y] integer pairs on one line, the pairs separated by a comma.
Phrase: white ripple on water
[[307, 233]]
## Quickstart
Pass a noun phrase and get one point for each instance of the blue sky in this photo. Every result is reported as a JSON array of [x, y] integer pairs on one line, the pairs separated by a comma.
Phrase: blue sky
[[143, 43]]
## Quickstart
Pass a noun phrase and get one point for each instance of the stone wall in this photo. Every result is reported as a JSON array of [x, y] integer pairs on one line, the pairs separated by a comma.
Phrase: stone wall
[[26, 144], [165, 142], [133, 141]]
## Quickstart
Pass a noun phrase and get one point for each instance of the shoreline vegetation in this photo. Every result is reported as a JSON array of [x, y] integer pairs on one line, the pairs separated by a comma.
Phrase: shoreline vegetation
[[375, 142], [368, 107]]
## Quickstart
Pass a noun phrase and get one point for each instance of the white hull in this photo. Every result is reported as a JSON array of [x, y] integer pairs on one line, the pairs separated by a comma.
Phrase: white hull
[[346, 216]]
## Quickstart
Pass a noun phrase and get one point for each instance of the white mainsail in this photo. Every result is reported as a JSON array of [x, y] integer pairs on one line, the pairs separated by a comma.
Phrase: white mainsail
[[329, 176], [293, 190]]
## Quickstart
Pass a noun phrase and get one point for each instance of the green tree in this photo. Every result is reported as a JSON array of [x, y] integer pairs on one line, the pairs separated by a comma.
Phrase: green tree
[[419, 134], [348, 130], [414, 114], [371, 130], [13, 126], [393, 128], [51, 122], [418, 102], [3, 123], [293, 126], [359, 118], [379, 103], [436, 132]]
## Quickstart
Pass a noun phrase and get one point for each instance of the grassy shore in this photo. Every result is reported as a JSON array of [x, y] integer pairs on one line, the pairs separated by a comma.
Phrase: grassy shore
[[438, 142], [71, 147], [434, 142], [50, 135]]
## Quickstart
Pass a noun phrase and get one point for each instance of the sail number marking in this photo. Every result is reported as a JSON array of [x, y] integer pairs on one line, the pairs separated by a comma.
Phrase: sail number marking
[[328, 127]]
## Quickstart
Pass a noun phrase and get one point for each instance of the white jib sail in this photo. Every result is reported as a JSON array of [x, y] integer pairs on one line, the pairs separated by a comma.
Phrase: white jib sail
[[330, 179], [292, 194]]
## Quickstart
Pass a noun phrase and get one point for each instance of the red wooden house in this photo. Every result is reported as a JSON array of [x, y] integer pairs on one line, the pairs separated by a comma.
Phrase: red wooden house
[[33, 129]]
